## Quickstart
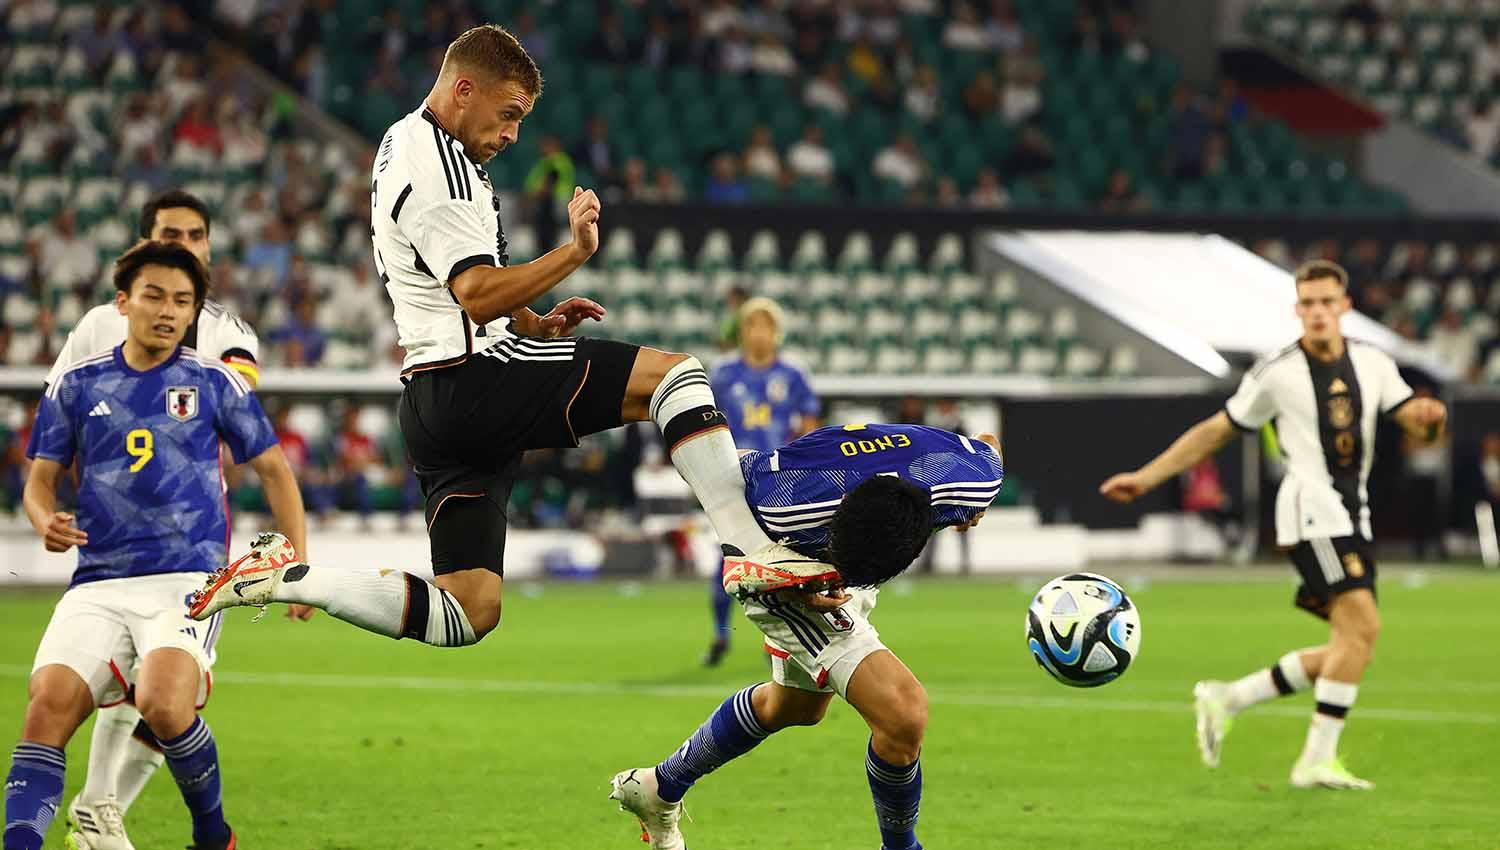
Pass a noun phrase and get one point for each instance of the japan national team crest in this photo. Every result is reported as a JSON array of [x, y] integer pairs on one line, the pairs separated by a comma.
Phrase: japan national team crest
[[182, 403], [840, 621]]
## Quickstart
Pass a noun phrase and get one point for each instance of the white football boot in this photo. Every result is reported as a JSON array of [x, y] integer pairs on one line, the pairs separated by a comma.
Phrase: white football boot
[[1328, 774], [249, 580], [1211, 701], [96, 826], [635, 791], [772, 568]]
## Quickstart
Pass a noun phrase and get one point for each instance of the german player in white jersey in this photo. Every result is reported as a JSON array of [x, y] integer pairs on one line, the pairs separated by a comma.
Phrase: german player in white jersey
[[486, 378], [1326, 394], [123, 754]]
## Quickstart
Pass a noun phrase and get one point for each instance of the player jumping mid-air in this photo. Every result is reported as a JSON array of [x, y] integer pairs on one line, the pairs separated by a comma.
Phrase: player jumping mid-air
[[1325, 393], [144, 421], [865, 499], [488, 379]]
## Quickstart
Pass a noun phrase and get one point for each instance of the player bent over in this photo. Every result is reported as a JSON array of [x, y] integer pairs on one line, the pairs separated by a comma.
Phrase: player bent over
[[864, 499], [1325, 394], [144, 421]]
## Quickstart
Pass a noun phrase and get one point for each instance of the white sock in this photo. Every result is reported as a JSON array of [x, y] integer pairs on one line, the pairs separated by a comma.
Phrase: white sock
[[136, 769], [702, 449], [1287, 676], [113, 730], [1334, 700], [387, 602]]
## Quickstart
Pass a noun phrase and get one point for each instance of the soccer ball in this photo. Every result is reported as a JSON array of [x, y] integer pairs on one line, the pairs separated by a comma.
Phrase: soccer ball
[[1083, 629]]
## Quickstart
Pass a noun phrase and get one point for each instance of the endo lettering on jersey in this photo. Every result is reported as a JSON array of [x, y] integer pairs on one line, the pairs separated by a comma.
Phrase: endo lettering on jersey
[[850, 448], [182, 403]]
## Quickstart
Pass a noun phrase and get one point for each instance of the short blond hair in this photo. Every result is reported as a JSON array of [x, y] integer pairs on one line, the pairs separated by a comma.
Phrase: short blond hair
[[492, 49], [762, 304], [1320, 269]]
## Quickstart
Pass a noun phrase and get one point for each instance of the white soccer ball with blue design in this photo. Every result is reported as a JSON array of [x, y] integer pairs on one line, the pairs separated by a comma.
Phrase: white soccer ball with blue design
[[1083, 629]]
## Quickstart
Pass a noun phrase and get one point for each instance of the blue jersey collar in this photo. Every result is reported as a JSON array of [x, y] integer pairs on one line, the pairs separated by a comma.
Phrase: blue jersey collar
[[120, 361]]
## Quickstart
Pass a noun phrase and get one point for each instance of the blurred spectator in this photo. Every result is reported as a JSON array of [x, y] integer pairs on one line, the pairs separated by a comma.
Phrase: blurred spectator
[[729, 326], [198, 129], [245, 145], [1426, 463], [988, 194], [901, 162], [1190, 134], [722, 16], [609, 43], [1486, 59], [981, 96], [549, 187], [657, 47], [633, 186], [1127, 36], [147, 169], [66, 259], [911, 410], [735, 53], [767, 18], [538, 42], [923, 96], [1021, 97], [1232, 106], [310, 478], [301, 338], [771, 56], [1032, 154], [665, 187], [964, 31], [355, 461], [1215, 155], [1453, 345], [1089, 36], [866, 64], [272, 252], [761, 159], [1004, 30], [947, 194], [724, 185], [97, 43], [1120, 194], [826, 91], [596, 152], [809, 158], [1483, 128]]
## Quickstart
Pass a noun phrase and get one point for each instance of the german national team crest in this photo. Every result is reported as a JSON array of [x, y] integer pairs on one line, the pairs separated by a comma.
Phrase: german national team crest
[[182, 403], [840, 621], [1340, 412], [1353, 566]]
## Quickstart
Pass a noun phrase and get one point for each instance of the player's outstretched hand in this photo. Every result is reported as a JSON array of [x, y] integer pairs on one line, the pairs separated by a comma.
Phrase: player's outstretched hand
[[299, 613], [567, 316], [583, 220], [60, 535], [1124, 488]]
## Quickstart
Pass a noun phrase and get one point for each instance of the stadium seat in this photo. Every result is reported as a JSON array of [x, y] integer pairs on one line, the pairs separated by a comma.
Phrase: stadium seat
[[1124, 362], [811, 253], [667, 252], [991, 360], [903, 254], [764, 252], [857, 253], [716, 251]]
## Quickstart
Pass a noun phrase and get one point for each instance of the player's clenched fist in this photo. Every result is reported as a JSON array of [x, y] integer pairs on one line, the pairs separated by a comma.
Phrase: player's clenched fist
[[583, 220], [60, 535], [1124, 488]]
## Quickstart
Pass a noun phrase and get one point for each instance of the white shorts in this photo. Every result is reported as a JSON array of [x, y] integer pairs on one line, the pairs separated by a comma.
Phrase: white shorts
[[816, 650], [103, 629]]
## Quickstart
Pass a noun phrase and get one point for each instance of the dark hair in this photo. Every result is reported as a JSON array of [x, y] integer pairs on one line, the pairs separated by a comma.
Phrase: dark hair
[[128, 266], [490, 48], [172, 199], [878, 530], [1320, 269]]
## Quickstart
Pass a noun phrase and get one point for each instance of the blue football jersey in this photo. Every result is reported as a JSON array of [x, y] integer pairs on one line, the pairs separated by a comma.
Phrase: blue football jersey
[[151, 491], [795, 490], [761, 404]]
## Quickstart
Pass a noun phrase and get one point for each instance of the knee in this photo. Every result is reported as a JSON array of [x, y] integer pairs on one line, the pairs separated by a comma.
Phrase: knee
[[51, 718], [166, 715], [810, 714], [483, 612]]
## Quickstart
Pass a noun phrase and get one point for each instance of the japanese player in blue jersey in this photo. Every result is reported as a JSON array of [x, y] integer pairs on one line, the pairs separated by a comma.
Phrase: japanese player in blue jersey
[[143, 421], [863, 499], [767, 402]]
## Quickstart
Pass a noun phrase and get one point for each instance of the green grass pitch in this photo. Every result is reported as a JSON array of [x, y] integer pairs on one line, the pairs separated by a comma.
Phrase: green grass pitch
[[332, 738]]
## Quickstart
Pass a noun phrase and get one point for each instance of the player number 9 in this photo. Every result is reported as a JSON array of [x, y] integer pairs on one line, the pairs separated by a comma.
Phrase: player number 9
[[140, 446]]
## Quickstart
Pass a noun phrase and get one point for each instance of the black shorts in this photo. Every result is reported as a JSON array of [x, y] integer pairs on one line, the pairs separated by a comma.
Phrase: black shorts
[[1329, 567], [466, 427]]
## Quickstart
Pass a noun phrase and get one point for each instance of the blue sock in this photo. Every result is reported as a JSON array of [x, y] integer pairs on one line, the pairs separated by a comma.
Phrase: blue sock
[[193, 759], [721, 603], [897, 790], [729, 733], [33, 791]]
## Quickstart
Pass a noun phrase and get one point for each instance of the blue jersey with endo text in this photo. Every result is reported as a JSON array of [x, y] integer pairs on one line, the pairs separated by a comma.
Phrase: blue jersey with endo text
[[761, 404], [151, 491], [795, 490]]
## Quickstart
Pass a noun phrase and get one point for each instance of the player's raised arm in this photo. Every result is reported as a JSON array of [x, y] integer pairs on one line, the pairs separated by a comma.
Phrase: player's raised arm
[[489, 292], [40, 497], [1197, 443]]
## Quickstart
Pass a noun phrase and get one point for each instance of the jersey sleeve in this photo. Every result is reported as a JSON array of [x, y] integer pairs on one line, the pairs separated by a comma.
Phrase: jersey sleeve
[[240, 347], [53, 436], [1394, 390], [75, 348], [240, 420], [452, 236], [1252, 405]]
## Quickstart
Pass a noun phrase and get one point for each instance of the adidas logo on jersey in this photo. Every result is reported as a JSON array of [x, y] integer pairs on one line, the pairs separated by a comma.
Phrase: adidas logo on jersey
[[100, 409]]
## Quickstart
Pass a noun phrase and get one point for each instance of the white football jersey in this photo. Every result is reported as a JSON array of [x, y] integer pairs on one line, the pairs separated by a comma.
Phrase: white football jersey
[[434, 216], [1325, 415], [218, 333]]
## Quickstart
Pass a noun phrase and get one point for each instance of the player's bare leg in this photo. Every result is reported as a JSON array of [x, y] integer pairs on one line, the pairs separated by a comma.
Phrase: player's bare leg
[[1354, 621], [58, 703], [894, 704], [167, 694]]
